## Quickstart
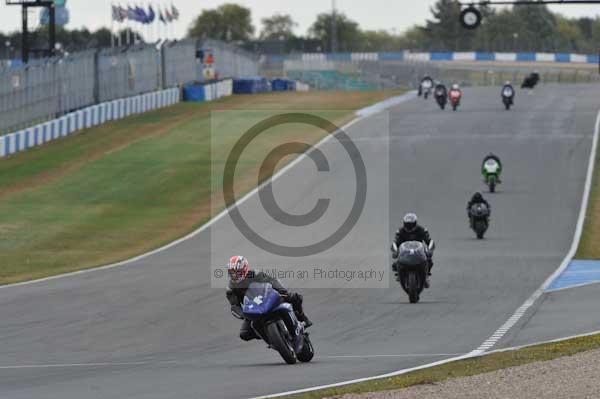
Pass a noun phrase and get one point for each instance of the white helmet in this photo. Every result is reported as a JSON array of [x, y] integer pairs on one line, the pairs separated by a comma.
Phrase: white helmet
[[455, 86]]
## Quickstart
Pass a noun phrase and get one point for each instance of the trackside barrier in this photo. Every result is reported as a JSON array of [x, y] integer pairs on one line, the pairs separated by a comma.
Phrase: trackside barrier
[[207, 92], [321, 58], [88, 117]]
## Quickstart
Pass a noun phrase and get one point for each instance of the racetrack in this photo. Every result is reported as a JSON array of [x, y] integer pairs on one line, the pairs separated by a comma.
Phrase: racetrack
[[156, 328]]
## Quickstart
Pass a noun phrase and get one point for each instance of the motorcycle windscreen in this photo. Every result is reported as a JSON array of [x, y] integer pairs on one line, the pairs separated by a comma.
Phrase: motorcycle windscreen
[[479, 210], [412, 253], [260, 299], [491, 166]]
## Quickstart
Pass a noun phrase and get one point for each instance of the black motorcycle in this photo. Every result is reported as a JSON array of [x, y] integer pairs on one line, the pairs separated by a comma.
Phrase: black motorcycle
[[412, 267], [479, 215], [530, 81], [441, 95], [508, 95]]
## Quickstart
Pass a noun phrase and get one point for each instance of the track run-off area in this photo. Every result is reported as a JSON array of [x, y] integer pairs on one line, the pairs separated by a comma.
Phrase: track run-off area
[[157, 328]]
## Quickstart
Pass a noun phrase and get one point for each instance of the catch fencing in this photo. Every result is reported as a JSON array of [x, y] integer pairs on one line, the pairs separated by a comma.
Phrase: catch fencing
[[49, 88], [366, 72]]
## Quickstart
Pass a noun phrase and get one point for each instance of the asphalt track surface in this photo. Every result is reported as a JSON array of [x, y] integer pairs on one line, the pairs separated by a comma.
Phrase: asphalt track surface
[[156, 328], [562, 313]]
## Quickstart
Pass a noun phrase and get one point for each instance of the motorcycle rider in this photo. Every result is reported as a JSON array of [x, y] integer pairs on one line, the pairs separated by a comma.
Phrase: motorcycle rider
[[412, 231], [508, 88], [426, 77], [495, 158], [477, 198], [240, 277], [440, 90], [455, 87]]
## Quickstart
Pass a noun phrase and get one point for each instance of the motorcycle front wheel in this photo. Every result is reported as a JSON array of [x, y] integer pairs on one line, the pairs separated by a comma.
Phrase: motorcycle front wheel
[[277, 338], [307, 352], [412, 285]]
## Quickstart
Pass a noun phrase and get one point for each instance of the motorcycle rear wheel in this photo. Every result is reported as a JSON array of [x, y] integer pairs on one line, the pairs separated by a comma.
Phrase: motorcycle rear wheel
[[279, 342]]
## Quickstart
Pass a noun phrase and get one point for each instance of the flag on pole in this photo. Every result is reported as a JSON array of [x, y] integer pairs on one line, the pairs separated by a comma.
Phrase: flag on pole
[[131, 14], [151, 15], [168, 15], [161, 16], [141, 16], [174, 12], [116, 15]]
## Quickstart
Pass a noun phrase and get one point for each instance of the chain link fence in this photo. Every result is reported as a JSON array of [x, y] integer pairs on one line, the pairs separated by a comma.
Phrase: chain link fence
[[231, 61], [48, 88]]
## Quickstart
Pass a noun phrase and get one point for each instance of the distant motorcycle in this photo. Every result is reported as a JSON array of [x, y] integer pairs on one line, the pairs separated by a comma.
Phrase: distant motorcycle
[[479, 215], [441, 95], [530, 80], [412, 267], [425, 87], [275, 322], [508, 94], [455, 96], [491, 173]]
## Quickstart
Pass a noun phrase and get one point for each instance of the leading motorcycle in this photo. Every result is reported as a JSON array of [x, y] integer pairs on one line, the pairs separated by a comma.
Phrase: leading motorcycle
[[275, 322], [479, 215], [425, 87], [412, 266]]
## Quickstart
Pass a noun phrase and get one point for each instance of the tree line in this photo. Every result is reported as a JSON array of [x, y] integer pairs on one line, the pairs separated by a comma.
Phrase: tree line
[[519, 28]]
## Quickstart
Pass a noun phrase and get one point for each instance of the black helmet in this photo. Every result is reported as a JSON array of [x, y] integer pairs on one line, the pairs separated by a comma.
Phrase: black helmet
[[477, 196], [410, 222]]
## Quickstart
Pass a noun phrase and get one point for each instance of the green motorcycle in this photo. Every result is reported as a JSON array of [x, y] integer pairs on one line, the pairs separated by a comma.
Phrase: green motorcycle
[[491, 170]]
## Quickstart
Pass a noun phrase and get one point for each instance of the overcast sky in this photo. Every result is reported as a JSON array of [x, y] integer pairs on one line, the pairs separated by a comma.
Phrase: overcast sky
[[370, 14]]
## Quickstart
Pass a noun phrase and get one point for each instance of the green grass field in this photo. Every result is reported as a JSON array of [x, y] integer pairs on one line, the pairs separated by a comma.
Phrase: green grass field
[[126, 187]]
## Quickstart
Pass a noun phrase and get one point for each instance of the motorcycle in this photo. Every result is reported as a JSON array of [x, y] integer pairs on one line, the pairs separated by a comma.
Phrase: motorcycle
[[507, 96], [441, 96], [455, 96], [491, 174], [425, 87], [479, 215], [275, 322], [412, 267], [530, 81]]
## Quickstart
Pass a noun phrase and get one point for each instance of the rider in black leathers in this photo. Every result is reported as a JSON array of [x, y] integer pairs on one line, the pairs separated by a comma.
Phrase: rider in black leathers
[[412, 231], [237, 289], [477, 198]]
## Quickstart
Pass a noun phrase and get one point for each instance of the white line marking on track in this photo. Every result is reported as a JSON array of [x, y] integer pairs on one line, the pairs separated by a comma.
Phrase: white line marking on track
[[372, 110], [398, 355], [498, 334]]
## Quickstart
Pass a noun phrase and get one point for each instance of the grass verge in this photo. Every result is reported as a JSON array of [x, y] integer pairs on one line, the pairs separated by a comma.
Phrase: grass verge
[[126, 187], [588, 246], [463, 368]]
